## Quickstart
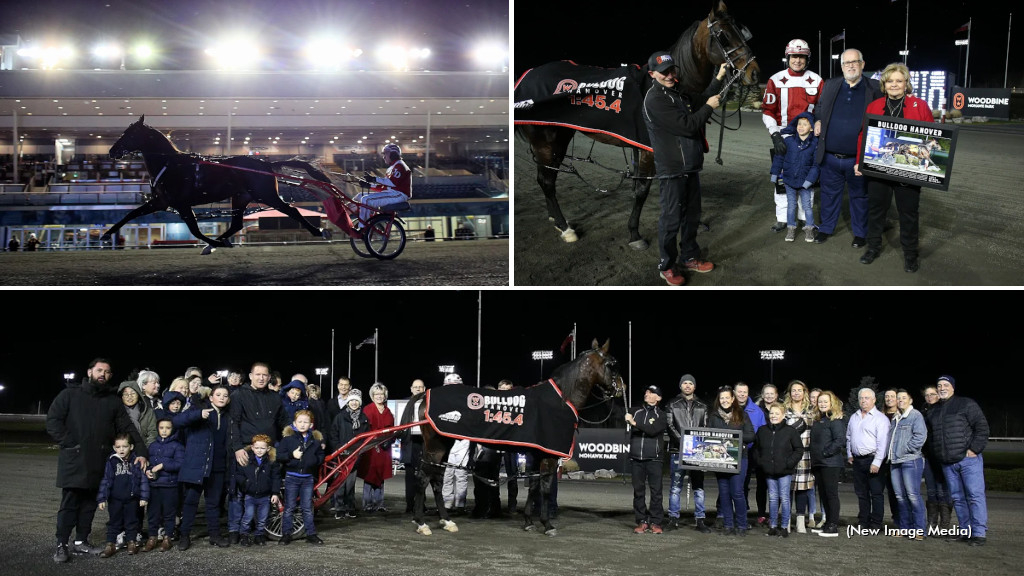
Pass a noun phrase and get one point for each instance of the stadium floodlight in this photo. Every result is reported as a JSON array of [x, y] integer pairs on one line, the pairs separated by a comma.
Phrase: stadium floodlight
[[234, 53], [446, 368], [772, 356], [543, 355], [49, 57], [400, 58], [106, 52], [329, 54], [491, 56], [321, 372]]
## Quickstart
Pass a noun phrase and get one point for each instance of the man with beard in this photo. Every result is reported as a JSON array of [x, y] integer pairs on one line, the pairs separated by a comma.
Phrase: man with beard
[[83, 421]]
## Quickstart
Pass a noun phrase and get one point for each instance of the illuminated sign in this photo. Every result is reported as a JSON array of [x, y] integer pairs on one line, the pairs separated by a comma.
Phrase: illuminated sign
[[930, 87]]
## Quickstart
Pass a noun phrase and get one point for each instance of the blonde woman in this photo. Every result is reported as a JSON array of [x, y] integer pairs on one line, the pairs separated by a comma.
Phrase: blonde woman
[[375, 466], [800, 417], [828, 456]]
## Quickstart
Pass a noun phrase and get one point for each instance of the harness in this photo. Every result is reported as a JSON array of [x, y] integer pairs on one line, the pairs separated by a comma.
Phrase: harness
[[715, 32]]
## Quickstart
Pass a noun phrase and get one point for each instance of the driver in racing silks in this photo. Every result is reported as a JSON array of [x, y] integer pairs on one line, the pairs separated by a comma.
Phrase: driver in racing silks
[[394, 188]]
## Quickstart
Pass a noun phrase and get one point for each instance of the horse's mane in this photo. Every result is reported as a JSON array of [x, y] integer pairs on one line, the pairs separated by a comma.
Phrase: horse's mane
[[567, 374], [166, 137], [692, 79]]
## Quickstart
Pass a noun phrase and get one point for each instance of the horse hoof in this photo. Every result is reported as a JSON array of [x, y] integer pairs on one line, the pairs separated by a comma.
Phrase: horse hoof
[[208, 250], [551, 532], [449, 526], [424, 530], [568, 235], [638, 245]]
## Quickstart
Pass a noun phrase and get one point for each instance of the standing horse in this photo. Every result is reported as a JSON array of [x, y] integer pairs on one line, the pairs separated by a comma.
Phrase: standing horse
[[576, 380], [699, 51], [180, 180]]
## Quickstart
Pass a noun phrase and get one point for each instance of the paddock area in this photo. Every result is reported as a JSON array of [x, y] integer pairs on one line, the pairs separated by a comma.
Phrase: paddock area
[[971, 235], [595, 523]]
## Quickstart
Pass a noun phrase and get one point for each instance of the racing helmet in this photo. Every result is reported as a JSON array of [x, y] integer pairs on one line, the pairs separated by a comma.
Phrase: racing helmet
[[452, 378], [391, 152], [799, 47]]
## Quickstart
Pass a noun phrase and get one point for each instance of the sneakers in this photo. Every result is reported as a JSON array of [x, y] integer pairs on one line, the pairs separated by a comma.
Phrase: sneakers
[[698, 265], [911, 265], [85, 547], [821, 237], [858, 242], [977, 541], [773, 531], [673, 523], [701, 527], [790, 233], [809, 233], [184, 541], [234, 537], [640, 528], [61, 555], [779, 227], [260, 540], [762, 520], [314, 539], [829, 531], [245, 540], [285, 540], [672, 277], [784, 532], [655, 529]]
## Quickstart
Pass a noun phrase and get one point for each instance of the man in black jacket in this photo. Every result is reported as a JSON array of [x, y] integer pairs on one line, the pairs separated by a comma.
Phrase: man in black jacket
[[677, 136], [959, 432], [686, 411], [83, 421], [645, 453]]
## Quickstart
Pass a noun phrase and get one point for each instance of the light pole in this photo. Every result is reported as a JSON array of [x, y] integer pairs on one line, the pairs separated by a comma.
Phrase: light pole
[[321, 372], [68, 377], [543, 355], [772, 356]]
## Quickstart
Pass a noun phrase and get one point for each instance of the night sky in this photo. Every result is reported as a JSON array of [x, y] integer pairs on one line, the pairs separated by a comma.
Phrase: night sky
[[876, 27], [831, 338]]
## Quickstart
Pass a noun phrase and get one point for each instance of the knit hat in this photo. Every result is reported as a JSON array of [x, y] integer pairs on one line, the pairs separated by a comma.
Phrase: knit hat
[[687, 378], [654, 389], [354, 395], [950, 379]]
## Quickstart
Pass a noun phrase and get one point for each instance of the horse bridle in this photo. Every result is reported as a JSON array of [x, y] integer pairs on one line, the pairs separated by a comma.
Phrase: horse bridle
[[716, 31], [610, 365]]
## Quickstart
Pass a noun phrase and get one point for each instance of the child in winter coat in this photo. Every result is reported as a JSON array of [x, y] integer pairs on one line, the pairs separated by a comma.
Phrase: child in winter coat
[[260, 482], [348, 424], [293, 397], [798, 172], [300, 453], [123, 490], [166, 456]]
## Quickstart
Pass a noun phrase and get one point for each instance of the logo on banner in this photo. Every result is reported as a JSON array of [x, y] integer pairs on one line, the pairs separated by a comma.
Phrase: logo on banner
[[567, 85], [454, 416], [958, 101]]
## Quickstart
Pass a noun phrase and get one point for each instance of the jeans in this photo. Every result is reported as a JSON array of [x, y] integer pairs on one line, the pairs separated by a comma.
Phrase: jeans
[[870, 490], [680, 216], [935, 482], [906, 483], [236, 503], [373, 496], [730, 495], [675, 489], [966, 480], [805, 195], [256, 508], [302, 488], [835, 175], [812, 502], [647, 474], [778, 492]]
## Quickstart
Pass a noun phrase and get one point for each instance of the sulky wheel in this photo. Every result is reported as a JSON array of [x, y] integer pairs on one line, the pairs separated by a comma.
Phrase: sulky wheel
[[384, 236], [276, 518]]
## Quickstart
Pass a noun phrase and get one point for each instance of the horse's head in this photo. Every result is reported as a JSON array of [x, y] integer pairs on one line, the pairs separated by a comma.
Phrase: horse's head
[[729, 43], [602, 369], [141, 138]]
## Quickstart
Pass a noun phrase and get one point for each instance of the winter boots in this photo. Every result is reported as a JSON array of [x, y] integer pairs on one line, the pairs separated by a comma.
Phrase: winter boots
[[945, 510], [801, 527]]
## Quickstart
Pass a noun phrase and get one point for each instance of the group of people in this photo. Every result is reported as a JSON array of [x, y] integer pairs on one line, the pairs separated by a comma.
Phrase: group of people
[[797, 445], [815, 127], [149, 458]]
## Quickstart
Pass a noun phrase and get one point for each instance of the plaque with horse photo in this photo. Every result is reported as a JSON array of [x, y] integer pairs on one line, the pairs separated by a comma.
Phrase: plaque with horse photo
[[711, 450], [908, 151]]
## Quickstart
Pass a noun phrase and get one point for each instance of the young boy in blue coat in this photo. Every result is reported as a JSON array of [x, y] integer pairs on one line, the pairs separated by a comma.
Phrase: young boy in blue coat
[[166, 456], [123, 490], [798, 172], [260, 481], [300, 452], [293, 398]]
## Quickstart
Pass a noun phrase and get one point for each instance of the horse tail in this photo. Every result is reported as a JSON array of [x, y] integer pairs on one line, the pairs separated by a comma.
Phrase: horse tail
[[305, 166]]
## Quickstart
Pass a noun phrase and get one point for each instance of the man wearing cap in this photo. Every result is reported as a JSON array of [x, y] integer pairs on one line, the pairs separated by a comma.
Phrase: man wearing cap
[[959, 432], [867, 436], [685, 411], [645, 453], [677, 136]]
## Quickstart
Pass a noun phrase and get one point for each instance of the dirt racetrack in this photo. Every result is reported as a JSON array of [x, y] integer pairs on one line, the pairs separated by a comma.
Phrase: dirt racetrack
[[971, 235], [456, 263], [594, 539]]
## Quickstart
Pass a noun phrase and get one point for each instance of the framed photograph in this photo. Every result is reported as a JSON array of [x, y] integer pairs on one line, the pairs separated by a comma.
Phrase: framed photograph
[[711, 450], [908, 151]]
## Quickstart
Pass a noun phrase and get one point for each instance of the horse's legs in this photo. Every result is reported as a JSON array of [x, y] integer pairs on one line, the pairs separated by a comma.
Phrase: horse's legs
[[549, 146], [641, 188], [147, 208], [534, 494], [548, 468], [275, 201], [238, 204], [189, 217], [436, 483]]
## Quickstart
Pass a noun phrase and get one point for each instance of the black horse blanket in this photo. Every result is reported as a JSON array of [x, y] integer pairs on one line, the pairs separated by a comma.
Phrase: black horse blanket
[[586, 98], [534, 417]]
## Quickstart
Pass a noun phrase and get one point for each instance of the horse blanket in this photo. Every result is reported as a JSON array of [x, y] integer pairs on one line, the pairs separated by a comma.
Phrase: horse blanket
[[586, 98], [534, 417]]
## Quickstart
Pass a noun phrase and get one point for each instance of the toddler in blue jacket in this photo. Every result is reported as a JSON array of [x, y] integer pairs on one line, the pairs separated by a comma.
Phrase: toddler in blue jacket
[[123, 490], [798, 172]]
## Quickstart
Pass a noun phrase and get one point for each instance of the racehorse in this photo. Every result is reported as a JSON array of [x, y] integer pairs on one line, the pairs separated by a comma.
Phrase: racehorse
[[181, 180], [699, 51], [576, 380]]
